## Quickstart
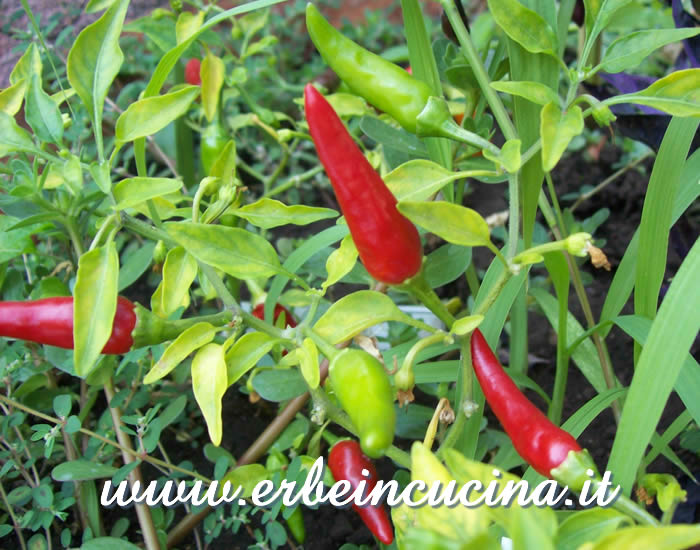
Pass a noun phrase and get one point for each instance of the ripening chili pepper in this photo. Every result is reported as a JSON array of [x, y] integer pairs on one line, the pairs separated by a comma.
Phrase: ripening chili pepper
[[388, 243], [383, 84], [50, 321], [537, 440], [362, 386], [192, 72], [259, 312], [347, 462]]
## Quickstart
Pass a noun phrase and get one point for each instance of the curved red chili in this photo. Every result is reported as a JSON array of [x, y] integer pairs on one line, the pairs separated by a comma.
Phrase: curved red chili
[[259, 312], [388, 243], [50, 321], [542, 444], [346, 461]]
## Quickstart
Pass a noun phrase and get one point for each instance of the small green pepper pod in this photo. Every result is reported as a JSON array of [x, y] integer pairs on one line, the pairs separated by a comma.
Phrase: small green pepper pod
[[364, 391]]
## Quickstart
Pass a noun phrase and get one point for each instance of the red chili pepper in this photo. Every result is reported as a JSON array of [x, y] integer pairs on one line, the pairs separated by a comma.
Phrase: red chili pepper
[[192, 72], [347, 461], [387, 242], [259, 312], [541, 443], [50, 321]]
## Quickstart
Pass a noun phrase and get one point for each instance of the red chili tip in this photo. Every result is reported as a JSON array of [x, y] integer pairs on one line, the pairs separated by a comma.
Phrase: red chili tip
[[192, 70], [259, 312]]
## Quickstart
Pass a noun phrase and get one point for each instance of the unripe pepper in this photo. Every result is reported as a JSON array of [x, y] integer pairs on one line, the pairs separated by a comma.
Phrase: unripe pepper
[[388, 243], [50, 321], [192, 72], [213, 140], [362, 386], [347, 462]]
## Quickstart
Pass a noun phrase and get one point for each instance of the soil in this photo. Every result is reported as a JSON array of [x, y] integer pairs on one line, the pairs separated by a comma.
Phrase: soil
[[329, 528]]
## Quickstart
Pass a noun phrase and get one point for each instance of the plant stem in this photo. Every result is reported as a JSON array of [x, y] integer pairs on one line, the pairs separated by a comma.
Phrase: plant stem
[[420, 288], [513, 215], [15, 524]]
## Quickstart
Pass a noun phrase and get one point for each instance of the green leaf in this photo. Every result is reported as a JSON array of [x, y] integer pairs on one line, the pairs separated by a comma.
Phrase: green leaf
[[454, 223], [279, 384], [418, 180], [446, 264], [209, 383], [235, 251], [557, 130], [82, 470], [108, 543], [12, 137], [347, 105], [179, 272], [62, 405], [101, 175], [628, 51], [599, 13], [247, 477], [668, 343], [269, 213], [73, 174], [340, 262], [147, 116], [187, 25], [524, 26], [95, 304], [246, 352], [668, 537], [98, 5], [14, 242], [27, 65], [677, 94], [536, 92], [95, 59], [358, 311], [588, 526], [465, 325], [11, 98], [189, 340], [42, 113], [308, 361], [135, 264], [131, 192], [212, 80], [395, 138]]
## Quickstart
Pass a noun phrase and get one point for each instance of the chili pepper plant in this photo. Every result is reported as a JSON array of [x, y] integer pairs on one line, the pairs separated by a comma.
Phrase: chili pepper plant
[[229, 235]]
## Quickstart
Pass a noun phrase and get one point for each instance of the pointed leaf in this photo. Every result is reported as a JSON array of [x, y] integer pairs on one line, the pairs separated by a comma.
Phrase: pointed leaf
[[668, 537], [188, 341], [82, 470], [11, 98], [237, 252], [179, 272], [525, 26], [588, 526], [340, 262], [27, 65], [209, 384], [246, 352], [557, 130], [536, 92], [308, 361], [628, 51], [269, 213], [147, 116], [12, 137], [95, 59], [133, 191], [187, 25], [212, 80], [454, 223], [95, 304], [42, 113], [358, 311]]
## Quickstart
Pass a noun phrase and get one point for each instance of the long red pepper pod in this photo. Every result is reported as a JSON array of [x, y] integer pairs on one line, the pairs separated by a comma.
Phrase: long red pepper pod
[[346, 461], [50, 321], [542, 444], [387, 242], [259, 312]]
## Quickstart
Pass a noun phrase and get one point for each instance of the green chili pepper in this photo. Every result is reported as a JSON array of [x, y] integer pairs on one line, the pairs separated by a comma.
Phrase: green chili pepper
[[364, 391], [214, 139]]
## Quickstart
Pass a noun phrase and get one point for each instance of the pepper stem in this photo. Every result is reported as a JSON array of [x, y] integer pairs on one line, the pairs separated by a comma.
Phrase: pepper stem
[[420, 288]]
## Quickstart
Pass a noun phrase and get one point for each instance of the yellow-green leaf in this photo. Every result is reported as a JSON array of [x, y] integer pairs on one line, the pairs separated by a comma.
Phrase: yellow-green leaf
[[188, 341], [11, 98], [94, 305], [209, 384], [358, 311], [268, 213], [247, 477], [246, 352], [538, 93], [147, 116], [527, 27], [187, 24], [308, 361], [73, 174], [212, 80], [464, 325], [235, 251], [179, 272], [340, 262], [668, 537], [589, 526], [130, 192], [12, 137], [557, 130], [27, 65], [628, 51], [454, 223]]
